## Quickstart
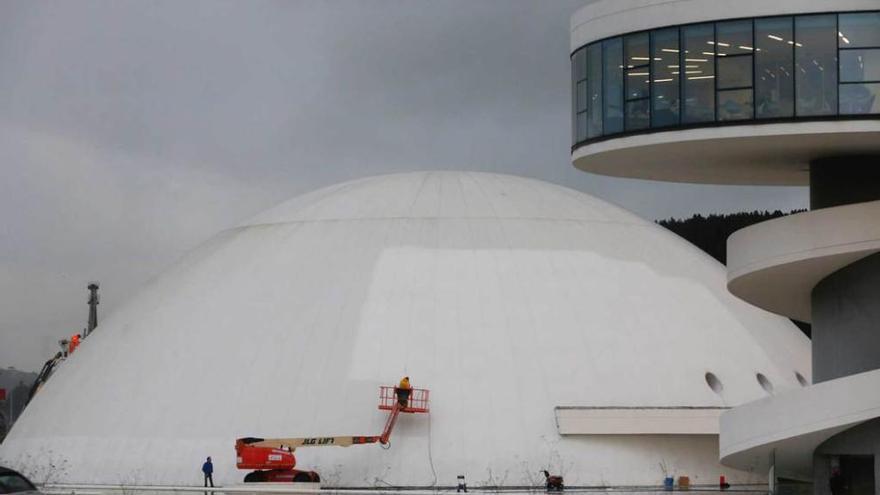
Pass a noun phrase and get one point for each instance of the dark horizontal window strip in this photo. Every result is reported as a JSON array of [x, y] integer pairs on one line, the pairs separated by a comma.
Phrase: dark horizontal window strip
[[797, 80], [734, 88]]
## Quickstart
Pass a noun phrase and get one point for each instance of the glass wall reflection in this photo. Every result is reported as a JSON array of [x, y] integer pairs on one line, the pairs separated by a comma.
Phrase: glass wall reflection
[[612, 89], [594, 90], [698, 92], [781, 67], [858, 41], [815, 63], [579, 95], [637, 80], [665, 72], [774, 78]]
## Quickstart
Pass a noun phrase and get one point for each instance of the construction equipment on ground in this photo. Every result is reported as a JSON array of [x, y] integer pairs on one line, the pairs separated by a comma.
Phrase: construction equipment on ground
[[273, 459], [553, 483]]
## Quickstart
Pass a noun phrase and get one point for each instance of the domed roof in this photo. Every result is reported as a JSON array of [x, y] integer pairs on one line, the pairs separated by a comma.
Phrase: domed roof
[[506, 297], [447, 195]]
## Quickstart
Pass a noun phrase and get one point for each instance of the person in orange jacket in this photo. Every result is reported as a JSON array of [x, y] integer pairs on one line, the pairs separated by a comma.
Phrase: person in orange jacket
[[74, 343], [403, 390]]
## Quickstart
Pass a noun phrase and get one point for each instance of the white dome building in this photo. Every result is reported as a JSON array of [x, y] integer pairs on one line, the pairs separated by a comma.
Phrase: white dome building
[[553, 330]]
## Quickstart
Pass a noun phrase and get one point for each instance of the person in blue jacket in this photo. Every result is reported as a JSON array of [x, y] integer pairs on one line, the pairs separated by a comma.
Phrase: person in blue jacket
[[208, 469]]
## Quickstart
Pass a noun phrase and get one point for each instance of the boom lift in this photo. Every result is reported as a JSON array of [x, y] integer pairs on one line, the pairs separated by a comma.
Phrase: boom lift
[[273, 459]]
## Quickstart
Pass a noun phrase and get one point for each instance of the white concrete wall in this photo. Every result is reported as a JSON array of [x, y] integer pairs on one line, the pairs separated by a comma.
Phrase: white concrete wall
[[638, 420], [765, 154], [776, 264], [794, 423]]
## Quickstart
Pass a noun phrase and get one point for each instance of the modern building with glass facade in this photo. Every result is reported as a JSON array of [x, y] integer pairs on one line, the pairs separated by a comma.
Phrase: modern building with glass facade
[[756, 92], [763, 69]]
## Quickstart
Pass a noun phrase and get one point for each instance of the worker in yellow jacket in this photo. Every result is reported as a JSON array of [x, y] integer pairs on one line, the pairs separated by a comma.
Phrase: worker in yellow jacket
[[403, 391]]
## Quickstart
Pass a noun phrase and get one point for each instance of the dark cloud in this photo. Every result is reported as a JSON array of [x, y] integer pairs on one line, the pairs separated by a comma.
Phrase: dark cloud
[[130, 131]]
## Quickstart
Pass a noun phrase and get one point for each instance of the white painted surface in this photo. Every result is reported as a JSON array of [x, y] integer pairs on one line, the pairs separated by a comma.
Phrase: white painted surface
[[764, 154], [775, 264], [638, 420], [504, 296], [794, 423], [606, 18]]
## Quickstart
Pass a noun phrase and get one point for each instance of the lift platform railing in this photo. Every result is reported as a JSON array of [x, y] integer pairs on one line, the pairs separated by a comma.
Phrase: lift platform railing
[[417, 402]]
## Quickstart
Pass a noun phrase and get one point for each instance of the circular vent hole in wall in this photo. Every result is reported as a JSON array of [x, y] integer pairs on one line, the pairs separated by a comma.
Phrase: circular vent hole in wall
[[714, 383], [800, 378], [765, 383]]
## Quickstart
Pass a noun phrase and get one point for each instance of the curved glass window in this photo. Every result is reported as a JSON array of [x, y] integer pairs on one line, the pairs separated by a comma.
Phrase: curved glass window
[[771, 69], [579, 95], [665, 73], [774, 71], [698, 84], [594, 90], [815, 63], [612, 86], [637, 81]]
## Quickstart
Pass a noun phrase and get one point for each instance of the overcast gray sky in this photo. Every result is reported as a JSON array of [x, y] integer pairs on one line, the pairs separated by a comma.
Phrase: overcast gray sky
[[132, 131]]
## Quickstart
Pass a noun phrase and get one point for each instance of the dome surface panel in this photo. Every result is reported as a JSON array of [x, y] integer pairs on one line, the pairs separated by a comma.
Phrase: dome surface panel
[[505, 296], [443, 195]]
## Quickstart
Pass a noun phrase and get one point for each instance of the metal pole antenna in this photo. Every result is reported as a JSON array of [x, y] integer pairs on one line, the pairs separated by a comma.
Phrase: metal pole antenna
[[94, 300]]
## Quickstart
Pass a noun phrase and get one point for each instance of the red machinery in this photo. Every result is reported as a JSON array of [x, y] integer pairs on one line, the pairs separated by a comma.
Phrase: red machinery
[[273, 458]]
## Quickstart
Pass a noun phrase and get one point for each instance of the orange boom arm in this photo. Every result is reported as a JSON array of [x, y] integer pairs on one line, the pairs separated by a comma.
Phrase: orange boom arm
[[274, 456]]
